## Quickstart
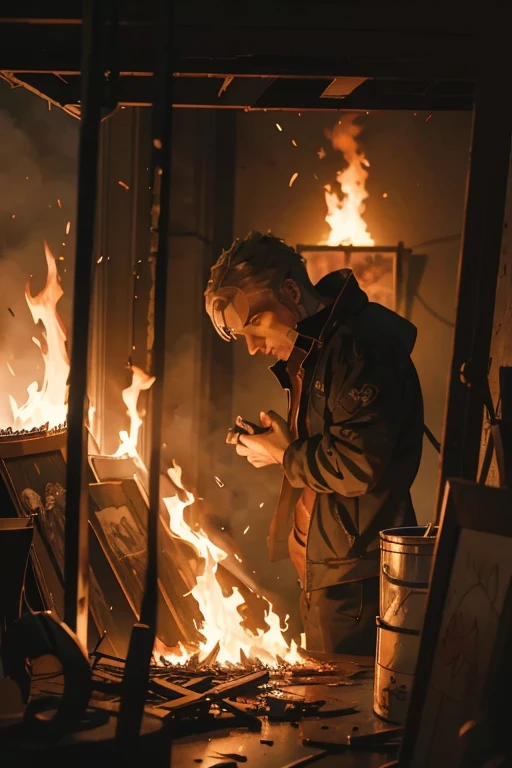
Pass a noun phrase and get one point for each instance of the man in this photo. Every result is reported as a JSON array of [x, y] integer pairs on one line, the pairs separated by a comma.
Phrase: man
[[351, 445]]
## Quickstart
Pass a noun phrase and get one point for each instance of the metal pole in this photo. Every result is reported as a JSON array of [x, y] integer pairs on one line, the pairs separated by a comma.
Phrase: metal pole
[[136, 673], [76, 568], [480, 258]]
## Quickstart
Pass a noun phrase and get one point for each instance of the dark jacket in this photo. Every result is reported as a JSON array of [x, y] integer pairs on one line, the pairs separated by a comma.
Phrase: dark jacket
[[360, 430]]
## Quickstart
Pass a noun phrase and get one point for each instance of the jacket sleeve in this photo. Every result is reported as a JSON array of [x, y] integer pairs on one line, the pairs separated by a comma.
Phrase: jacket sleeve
[[362, 417]]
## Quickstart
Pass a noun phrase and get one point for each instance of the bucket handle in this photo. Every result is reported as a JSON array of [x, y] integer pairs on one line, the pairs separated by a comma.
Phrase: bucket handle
[[401, 582]]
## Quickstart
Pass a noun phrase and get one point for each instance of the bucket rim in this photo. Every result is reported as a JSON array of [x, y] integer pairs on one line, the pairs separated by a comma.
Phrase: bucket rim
[[409, 535]]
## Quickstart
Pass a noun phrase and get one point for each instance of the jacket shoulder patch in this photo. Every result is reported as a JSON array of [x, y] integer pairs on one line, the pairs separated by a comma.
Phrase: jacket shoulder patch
[[361, 397]]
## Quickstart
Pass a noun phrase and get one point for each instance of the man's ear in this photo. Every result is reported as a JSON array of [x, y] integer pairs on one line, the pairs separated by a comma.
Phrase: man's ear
[[291, 290]]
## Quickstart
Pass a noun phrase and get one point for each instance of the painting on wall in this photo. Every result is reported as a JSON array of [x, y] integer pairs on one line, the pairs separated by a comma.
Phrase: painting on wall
[[376, 270], [464, 620]]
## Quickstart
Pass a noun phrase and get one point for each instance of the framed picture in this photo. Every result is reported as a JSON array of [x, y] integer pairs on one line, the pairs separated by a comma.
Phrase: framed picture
[[466, 618], [377, 270]]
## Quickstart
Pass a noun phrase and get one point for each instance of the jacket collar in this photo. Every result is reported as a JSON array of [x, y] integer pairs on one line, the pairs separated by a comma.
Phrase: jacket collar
[[345, 298]]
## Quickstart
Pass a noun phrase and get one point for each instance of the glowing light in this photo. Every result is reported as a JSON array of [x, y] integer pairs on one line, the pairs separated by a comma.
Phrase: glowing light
[[278, 127], [345, 214], [293, 179], [47, 404], [130, 395]]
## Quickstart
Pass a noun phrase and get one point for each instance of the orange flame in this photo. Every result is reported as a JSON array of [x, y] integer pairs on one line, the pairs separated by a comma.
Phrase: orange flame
[[345, 215], [221, 618], [46, 405], [130, 395]]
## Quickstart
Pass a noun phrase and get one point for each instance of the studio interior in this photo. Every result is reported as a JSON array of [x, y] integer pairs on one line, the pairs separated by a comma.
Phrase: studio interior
[[202, 563]]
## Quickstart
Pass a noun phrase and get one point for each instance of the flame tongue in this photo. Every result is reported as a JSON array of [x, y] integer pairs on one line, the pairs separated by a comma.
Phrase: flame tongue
[[47, 404], [130, 395], [345, 216]]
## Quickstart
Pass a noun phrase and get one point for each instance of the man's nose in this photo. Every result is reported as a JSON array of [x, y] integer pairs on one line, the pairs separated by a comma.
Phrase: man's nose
[[253, 344]]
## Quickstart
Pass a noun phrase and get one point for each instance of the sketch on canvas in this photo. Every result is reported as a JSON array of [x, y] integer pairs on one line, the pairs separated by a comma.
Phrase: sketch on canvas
[[480, 579]]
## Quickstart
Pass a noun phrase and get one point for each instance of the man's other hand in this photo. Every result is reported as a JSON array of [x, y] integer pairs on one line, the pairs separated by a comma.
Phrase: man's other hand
[[268, 448]]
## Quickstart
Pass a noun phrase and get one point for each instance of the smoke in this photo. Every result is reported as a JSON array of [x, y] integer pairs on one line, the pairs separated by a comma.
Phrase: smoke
[[37, 200]]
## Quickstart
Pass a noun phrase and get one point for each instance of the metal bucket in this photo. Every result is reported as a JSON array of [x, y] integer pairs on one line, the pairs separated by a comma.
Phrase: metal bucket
[[397, 653], [406, 562]]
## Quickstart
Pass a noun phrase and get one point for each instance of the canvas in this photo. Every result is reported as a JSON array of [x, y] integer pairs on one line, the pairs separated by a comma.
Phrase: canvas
[[471, 579], [376, 270]]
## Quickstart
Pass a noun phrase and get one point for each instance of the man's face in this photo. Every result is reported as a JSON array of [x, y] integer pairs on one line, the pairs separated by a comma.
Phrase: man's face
[[270, 325]]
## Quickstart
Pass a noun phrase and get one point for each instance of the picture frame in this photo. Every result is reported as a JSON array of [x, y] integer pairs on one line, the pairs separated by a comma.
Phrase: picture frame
[[378, 270], [465, 621]]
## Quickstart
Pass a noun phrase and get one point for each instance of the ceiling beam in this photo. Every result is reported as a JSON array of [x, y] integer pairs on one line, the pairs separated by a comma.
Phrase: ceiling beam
[[235, 48], [258, 94]]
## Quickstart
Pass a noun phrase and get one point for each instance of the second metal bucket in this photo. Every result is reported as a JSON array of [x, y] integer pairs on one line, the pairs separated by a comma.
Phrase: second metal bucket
[[406, 562]]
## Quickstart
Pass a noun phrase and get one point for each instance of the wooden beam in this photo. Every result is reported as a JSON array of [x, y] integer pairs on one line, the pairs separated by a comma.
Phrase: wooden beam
[[480, 257], [327, 49]]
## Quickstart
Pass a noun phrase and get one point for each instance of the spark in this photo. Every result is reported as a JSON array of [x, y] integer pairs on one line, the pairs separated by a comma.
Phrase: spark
[[321, 153], [316, 177], [278, 127], [13, 216], [10, 369], [64, 244], [98, 261], [246, 529], [68, 227], [238, 558], [58, 201], [293, 178], [384, 194], [26, 178], [262, 503], [123, 184], [428, 118], [61, 258], [219, 482], [294, 143]]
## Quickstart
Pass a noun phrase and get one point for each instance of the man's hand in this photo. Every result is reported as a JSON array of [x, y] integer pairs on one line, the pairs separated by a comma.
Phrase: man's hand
[[268, 448]]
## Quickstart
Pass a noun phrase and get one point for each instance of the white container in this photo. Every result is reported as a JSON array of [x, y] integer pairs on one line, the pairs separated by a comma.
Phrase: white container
[[406, 563], [397, 654]]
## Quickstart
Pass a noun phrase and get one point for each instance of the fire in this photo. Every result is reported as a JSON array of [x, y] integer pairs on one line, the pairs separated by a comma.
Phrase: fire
[[130, 395], [46, 405], [221, 625], [345, 215]]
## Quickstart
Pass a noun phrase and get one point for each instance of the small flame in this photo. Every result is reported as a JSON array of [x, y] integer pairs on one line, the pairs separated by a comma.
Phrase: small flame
[[46, 405], [130, 395], [345, 215]]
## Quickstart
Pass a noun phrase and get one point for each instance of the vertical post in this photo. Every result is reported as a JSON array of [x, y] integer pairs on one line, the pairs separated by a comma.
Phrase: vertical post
[[76, 567], [136, 673], [217, 356], [480, 257]]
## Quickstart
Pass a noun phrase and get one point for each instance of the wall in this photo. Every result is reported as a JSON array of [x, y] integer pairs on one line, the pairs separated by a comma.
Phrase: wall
[[420, 163]]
